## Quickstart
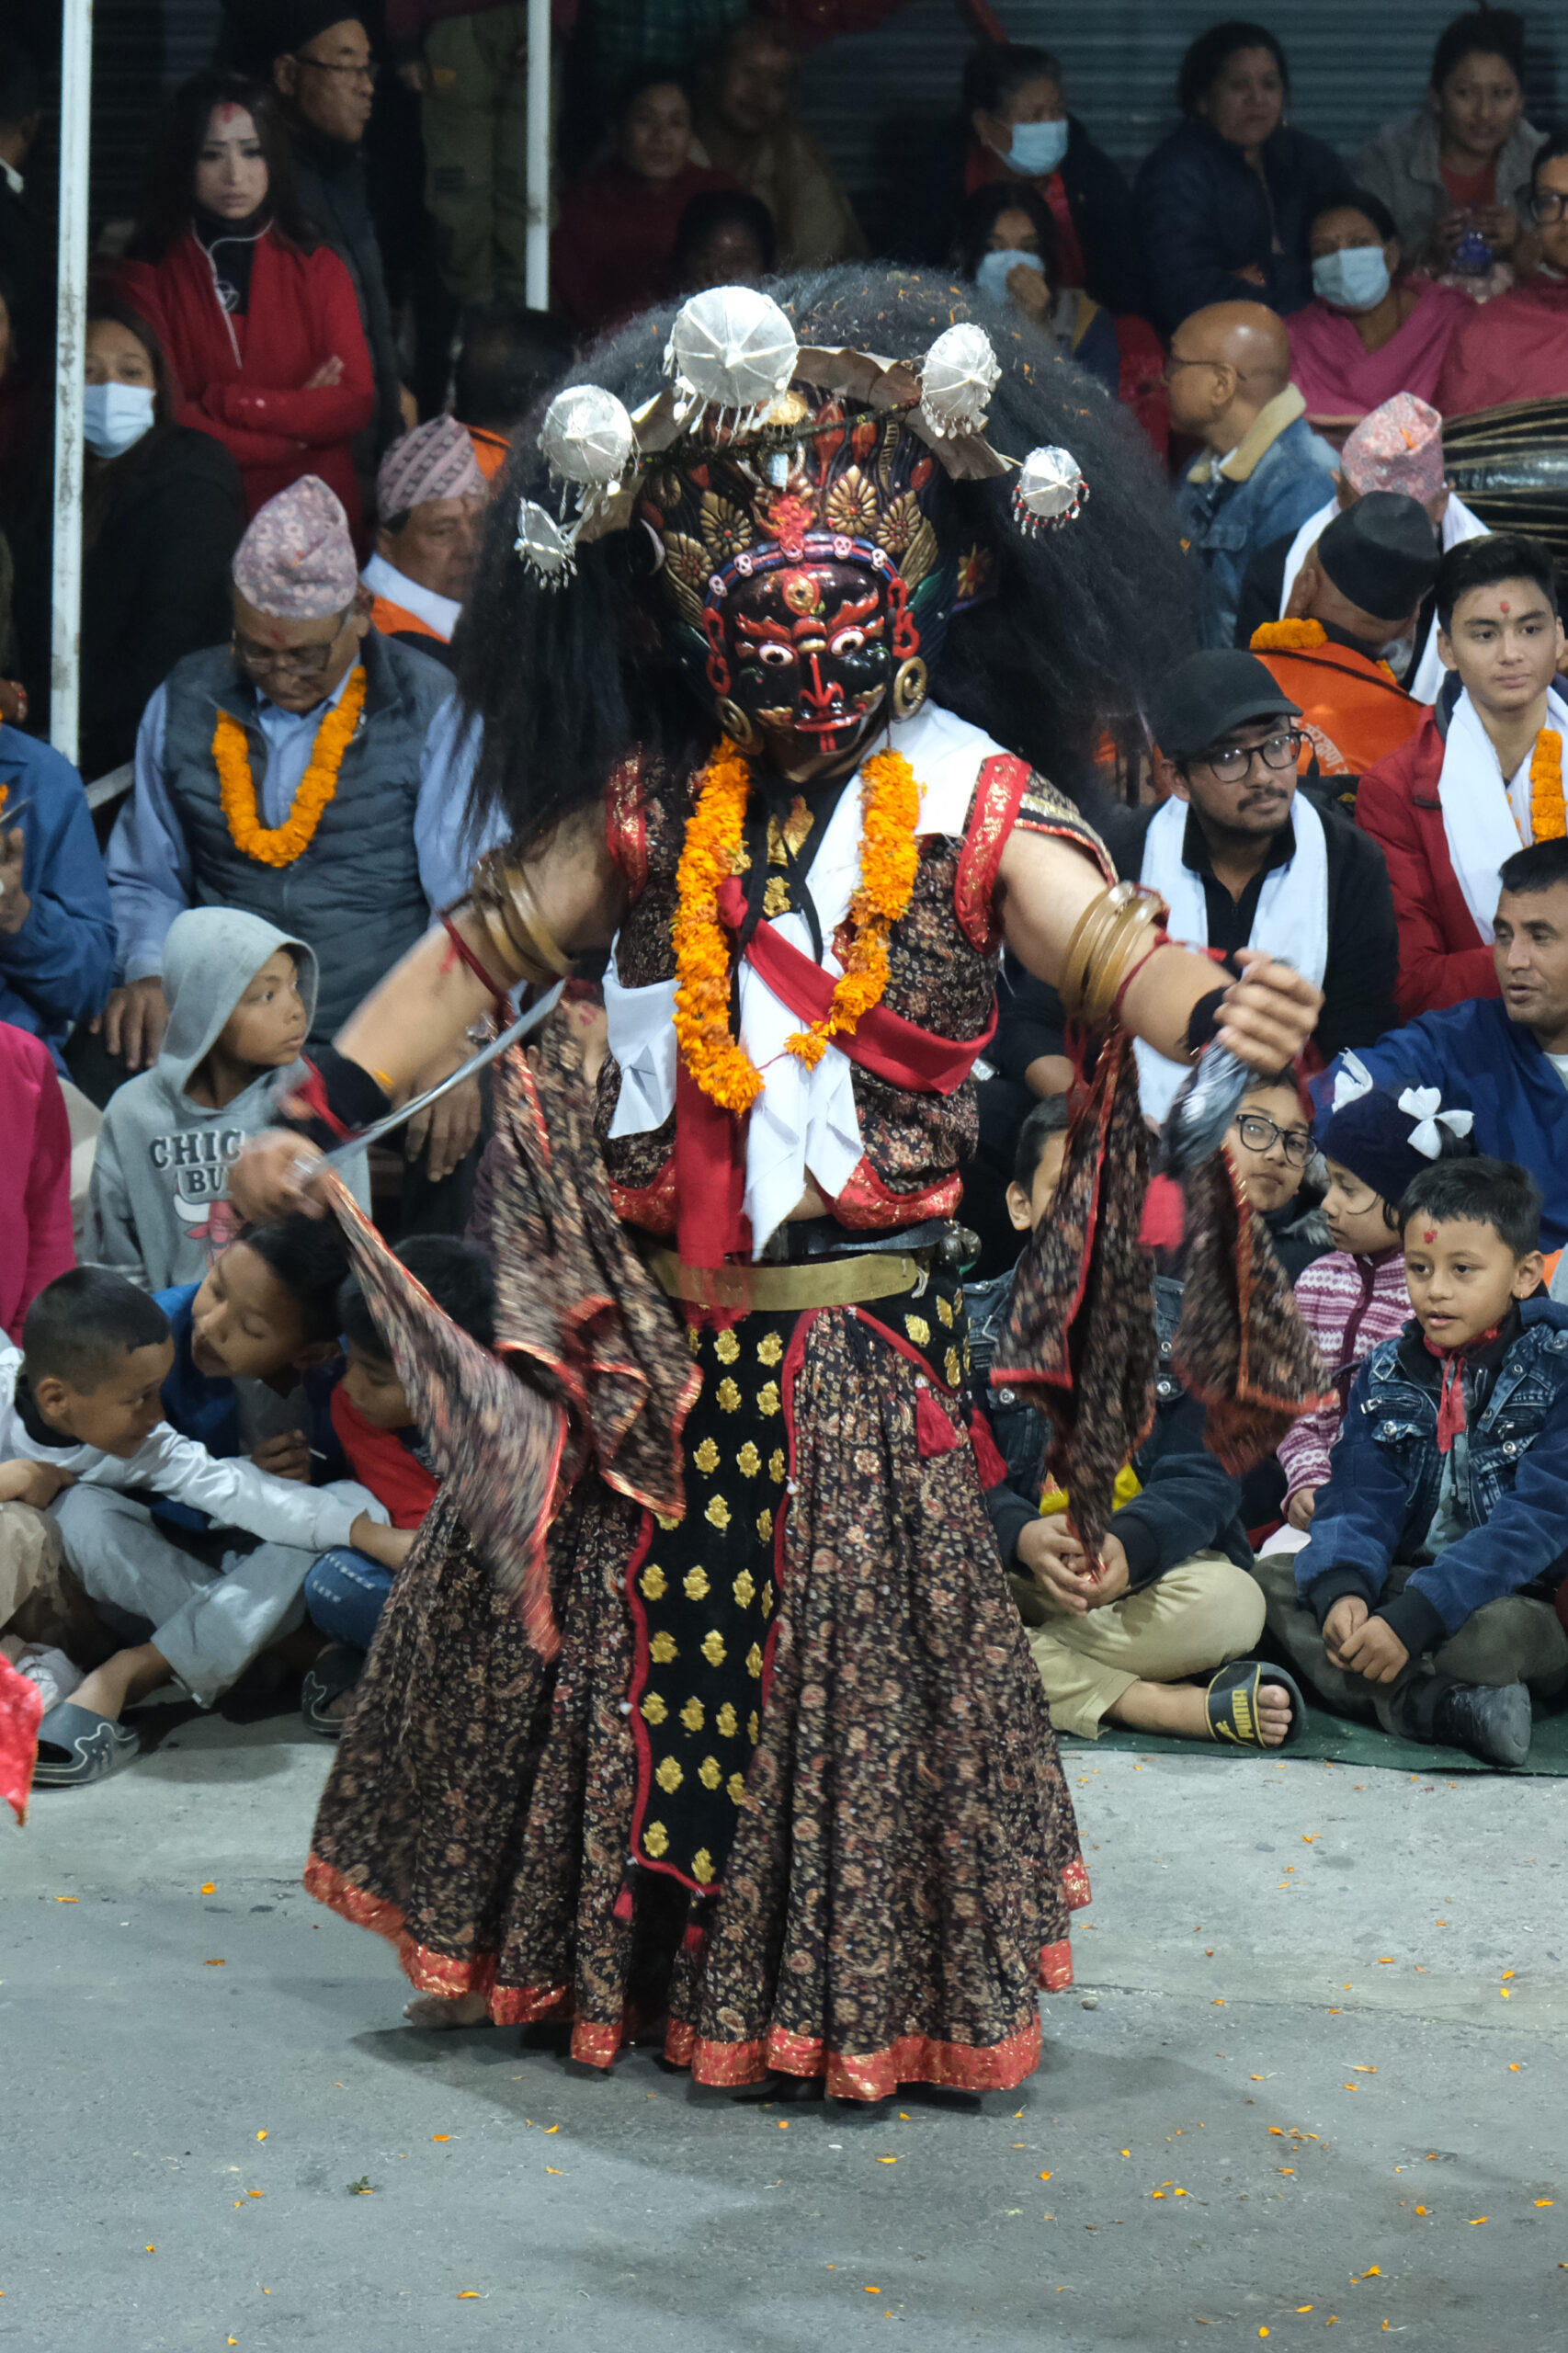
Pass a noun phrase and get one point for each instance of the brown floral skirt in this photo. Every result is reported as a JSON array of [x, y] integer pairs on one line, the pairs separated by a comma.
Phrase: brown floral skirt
[[901, 1856]]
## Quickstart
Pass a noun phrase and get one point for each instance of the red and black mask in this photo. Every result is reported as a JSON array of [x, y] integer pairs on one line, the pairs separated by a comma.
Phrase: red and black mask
[[802, 653]]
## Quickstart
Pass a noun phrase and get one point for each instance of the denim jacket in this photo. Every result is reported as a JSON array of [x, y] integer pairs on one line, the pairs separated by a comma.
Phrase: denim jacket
[[1226, 517], [1386, 1474]]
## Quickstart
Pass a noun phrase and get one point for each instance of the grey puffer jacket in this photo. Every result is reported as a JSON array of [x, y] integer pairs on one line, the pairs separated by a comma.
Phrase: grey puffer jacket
[[1401, 166]]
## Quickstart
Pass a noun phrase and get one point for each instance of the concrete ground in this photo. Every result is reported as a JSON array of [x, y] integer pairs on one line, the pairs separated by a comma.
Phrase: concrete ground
[[1312, 2077]]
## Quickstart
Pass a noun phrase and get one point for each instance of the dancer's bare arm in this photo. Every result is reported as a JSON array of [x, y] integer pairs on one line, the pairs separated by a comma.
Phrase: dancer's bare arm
[[428, 1002], [1046, 884]]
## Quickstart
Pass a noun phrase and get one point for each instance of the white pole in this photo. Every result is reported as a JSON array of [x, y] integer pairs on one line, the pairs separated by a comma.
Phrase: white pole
[[536, 272], [76, 127]]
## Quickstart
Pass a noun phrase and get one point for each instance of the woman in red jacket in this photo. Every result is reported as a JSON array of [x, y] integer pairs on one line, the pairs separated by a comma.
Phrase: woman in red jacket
[[258, 319]]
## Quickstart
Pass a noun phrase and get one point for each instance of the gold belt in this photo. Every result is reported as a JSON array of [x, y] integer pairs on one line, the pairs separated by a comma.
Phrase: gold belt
[[820, 1282]]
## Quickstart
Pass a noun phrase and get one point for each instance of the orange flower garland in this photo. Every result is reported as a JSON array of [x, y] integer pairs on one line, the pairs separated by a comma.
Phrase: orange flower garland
[[281, 844], [1288, 637], [889, 802], [1549, 821]]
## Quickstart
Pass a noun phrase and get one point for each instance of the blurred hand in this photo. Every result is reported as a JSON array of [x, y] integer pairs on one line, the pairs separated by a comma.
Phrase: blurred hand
[[451, 1126], [1375, 1650], [35, 1482], [12, 702], [416, 76], [1344, 1621], [326, 377], [1269, 1013], [134, 1020], [1300, 1510], [271, 1178], [389, 1546], [1030, 292], [287, 1455], [1500, 225], [1058, 1563], [1251, 273], [1115, 1574], [1447, 234], [408, 408], [15, 905]]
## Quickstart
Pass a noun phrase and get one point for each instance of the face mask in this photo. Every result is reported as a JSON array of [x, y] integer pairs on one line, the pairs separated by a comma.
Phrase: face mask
[[1356, 279], [115, 417], [1038, 147], [995, 269]]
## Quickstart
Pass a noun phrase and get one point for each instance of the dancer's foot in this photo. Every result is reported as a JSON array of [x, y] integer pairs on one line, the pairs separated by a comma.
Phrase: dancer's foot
[[436, 2011]]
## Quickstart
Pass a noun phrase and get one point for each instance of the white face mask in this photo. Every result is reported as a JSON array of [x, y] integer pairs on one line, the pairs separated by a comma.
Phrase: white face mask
[[1356, 279], [1038, 147], [995, 269], [115, 417]]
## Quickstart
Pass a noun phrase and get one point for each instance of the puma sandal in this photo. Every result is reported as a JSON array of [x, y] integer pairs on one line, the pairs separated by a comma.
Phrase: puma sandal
[[1233, 1704]]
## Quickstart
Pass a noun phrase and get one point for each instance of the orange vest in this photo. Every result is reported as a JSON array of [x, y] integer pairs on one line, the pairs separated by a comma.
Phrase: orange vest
[[1353, 714], [393, 620]]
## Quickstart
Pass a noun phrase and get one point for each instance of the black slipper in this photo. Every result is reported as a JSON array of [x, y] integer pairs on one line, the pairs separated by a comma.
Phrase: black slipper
[[1233, 1704]]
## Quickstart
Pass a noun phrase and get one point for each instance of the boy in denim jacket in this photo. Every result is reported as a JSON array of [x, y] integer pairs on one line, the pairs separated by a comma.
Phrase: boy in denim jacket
[[1424, 1599]]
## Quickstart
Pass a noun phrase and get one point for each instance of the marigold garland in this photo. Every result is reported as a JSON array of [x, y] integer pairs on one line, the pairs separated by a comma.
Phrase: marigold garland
[[281, 844], [1549, 821], [890, 804], [1288, 637]]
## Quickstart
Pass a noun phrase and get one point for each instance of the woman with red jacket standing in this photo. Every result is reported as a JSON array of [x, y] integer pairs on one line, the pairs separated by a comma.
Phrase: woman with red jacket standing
[[259, 321]]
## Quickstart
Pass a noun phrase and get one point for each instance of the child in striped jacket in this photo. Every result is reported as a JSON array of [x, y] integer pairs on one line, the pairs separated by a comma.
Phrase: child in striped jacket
[[1374, 1143]]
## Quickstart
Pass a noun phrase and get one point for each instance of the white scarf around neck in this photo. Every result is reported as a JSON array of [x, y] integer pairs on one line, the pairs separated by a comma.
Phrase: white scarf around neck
[[1485, 820], [1292, 920]]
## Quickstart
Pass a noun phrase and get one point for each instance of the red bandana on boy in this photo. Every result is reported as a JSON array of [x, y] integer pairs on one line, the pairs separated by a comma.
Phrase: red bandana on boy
[[1450, 1400]]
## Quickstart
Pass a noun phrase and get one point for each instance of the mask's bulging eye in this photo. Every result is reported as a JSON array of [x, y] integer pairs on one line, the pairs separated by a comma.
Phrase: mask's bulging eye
[[848, 640], [775, 657]]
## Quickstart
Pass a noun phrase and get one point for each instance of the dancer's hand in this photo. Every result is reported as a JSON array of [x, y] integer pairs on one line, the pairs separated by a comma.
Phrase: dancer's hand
[[1269, 1014], [271, 1179], [1059, 1566]]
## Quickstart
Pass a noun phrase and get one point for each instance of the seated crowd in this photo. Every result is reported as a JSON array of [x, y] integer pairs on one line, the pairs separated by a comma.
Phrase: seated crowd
[[209, 1472]]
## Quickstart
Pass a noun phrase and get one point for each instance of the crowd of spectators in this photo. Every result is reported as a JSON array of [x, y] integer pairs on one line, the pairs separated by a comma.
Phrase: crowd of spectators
[[209, 1470]]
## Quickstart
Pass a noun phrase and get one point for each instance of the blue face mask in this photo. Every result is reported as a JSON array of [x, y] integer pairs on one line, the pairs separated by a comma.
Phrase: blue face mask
[[995, 269], [1356, 279], [1037, 148], [115, 417]]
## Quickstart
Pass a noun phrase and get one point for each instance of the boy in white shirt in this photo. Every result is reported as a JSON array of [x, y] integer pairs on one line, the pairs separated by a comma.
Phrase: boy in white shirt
[[82, 1396]]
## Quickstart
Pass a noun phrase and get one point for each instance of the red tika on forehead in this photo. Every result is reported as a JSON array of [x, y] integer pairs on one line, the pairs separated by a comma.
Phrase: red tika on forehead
[[1503, 601], [1429, 1235]]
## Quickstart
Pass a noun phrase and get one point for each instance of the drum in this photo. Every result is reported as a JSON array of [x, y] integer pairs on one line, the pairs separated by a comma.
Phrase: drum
[[1510, 467]]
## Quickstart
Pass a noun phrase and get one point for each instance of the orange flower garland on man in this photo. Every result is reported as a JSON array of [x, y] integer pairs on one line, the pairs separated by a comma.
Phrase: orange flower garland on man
[[286, 773], [797, 1758], [1358, 591], [1483, 774]]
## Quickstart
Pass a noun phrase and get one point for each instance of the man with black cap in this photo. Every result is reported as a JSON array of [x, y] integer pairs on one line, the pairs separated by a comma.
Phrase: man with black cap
[[1358, 590], [1245, 857], [318, 57]]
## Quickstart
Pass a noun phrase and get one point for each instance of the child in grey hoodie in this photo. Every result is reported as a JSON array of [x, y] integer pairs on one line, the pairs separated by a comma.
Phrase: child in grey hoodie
[[242, 998]]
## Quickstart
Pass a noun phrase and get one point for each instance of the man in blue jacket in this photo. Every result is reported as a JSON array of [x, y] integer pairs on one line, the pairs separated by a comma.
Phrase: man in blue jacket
[[1262, 471], [1424, 1600], [56, 930], [1506, 1061]]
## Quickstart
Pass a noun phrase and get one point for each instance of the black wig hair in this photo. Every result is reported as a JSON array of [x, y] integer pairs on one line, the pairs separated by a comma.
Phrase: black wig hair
[[1207, 57], [1049, 1118], [458, 1276], [1497, 1193], [509, 356], [983, 208], [170, 191], [306, 1255], [1480, 32], [82, 1324], [570, 681], [995, 71], [1357, 199], [1552, 149], [1485, 563]]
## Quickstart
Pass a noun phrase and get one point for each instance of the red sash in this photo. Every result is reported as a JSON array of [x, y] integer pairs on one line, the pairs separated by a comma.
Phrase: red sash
[[711, 1143]]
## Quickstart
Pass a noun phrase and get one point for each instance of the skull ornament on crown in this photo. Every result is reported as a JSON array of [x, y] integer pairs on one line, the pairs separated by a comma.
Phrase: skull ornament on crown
[[800, 501]]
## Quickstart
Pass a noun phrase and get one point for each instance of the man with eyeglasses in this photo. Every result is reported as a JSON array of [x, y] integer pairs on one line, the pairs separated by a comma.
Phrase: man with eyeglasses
[[319, 60], [347, 841], [1516, 348], [1263, 469], [1244, 858]]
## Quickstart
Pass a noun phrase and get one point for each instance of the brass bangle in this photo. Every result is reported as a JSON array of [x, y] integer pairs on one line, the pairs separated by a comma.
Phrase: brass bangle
[[503, 900], [1109, 938]]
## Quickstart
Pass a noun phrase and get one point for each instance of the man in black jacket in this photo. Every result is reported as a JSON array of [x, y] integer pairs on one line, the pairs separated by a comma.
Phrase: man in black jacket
[[1257, 860], [319, 59], [1173, 1595]]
